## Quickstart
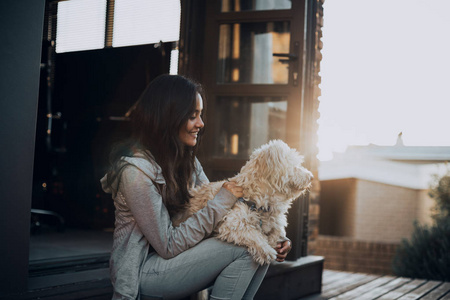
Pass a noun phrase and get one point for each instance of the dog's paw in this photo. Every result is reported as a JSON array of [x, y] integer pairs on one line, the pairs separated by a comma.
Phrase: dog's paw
[[264, 255]]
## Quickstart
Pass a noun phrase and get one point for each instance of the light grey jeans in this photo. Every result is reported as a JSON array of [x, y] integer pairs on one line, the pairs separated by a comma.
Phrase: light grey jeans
[[229, 267]]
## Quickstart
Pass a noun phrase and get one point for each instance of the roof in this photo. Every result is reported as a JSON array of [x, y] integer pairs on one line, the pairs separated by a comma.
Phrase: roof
[[402, 153], [405, 166]]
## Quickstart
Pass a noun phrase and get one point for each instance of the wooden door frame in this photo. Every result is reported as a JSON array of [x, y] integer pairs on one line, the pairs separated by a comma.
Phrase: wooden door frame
[[294, 114]]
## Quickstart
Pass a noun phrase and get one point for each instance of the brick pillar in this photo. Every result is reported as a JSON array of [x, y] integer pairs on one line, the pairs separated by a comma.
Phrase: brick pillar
[[313, 81]]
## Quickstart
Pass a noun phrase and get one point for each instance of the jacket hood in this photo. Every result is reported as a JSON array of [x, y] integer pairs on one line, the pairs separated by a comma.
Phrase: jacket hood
[[151, 169]]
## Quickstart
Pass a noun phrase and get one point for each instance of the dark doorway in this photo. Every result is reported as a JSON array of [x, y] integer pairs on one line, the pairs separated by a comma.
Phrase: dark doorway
[[82, 106]]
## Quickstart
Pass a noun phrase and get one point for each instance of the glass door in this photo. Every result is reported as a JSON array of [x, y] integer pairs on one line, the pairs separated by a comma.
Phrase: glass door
[[253, 71], [253, 76]]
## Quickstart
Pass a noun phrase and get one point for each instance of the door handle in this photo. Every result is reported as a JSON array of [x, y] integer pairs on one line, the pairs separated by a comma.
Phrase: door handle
[[290, 57], [294, 67]]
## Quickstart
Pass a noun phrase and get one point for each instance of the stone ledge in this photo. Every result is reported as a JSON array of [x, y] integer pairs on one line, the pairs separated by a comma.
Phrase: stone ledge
[[292, 280]]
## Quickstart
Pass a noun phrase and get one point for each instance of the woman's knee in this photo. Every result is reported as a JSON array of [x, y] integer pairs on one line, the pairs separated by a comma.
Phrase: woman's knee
[[237, 251]]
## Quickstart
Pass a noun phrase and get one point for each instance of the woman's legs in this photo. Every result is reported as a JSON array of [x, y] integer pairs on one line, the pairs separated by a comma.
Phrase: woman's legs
[[239, 280], [256, 282], [236, 275]]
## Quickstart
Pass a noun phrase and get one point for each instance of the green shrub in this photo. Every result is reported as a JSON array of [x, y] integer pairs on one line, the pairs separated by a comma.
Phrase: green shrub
[[440, 192], [427, 254]]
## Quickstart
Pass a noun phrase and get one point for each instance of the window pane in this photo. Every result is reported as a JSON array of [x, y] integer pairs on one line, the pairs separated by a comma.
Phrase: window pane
[[138, 22], [80, 25], [246, 53], [174, 62], [242, 5], [245, 123]]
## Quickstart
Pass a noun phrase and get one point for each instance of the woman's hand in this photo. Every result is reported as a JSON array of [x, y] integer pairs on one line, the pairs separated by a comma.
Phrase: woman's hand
[[283, 249], [236, 190]]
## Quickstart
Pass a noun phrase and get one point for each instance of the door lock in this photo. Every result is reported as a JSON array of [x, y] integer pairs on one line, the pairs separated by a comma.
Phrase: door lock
[[291, 57]]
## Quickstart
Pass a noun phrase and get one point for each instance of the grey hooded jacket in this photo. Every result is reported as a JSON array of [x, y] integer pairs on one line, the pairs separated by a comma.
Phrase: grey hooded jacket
[[142, 222]]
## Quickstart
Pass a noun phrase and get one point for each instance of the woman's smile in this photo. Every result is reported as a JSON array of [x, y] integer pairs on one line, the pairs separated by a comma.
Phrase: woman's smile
[[188, 133]]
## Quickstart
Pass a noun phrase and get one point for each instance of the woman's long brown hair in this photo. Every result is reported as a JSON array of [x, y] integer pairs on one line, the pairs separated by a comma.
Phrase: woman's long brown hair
[[163, 108]]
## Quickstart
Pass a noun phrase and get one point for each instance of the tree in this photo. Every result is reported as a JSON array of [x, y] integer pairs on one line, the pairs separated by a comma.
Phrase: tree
[[427, 254], [440, 192]]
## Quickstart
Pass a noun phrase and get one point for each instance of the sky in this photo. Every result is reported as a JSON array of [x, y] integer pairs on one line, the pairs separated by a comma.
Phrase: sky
[[385, 70]]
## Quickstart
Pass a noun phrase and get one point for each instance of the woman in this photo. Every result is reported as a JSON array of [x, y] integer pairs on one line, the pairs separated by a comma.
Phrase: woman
[[149, 181]]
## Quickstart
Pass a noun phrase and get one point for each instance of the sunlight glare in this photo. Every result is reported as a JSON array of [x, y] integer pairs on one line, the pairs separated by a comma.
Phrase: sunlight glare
[[384, 71]]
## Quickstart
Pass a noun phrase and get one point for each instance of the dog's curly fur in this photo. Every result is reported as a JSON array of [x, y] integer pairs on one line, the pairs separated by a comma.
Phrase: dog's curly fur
[[272, 178]]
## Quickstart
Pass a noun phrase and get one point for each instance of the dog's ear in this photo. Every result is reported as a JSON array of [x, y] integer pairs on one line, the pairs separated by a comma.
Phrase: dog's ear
[[274, 155], [270, 159]]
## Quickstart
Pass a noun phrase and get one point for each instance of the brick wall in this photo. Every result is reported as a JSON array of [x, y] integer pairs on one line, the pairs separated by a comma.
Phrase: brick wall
[[371, 211], [347, 254], [384, 212]]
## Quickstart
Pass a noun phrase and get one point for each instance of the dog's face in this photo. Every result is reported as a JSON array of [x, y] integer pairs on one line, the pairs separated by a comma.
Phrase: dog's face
[[280, 167]]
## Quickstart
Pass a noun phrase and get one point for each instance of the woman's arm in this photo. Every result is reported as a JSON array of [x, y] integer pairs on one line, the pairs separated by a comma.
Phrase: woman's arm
[[231, 186], [153, 219]]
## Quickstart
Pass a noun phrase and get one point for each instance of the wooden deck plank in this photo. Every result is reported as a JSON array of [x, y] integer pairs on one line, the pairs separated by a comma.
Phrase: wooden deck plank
[[354, 294], [329, 276], [349, 278], [354, 283], [446, 297], [438, 292], [403, 290], [346, 285], [384, 289], [332, 276], [420, 291]]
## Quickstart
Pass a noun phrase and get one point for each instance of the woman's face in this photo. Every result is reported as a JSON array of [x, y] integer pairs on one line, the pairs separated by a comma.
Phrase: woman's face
[[188, 132]]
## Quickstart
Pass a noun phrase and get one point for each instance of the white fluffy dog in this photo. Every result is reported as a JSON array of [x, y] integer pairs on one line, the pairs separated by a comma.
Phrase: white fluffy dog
[[271, 180]]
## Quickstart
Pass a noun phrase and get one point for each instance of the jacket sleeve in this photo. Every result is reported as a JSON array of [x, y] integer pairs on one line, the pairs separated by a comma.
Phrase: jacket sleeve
[[152, 217], [201, 176]]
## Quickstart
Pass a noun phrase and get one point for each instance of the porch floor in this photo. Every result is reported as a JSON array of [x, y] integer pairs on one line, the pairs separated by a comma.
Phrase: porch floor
[[345, 285], [51, 247]]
